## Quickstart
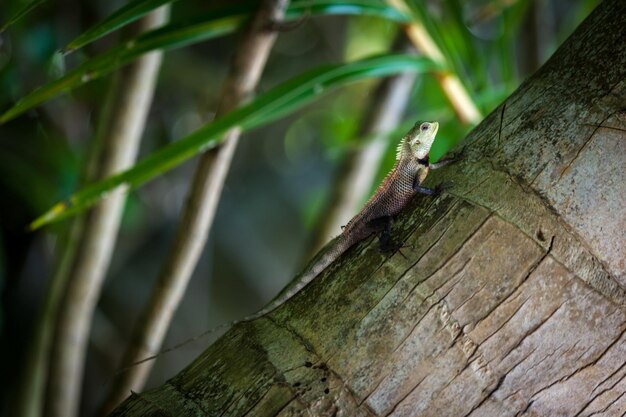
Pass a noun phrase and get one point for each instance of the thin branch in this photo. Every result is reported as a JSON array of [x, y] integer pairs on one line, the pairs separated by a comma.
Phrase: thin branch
[[133, 91], [29, 401], [248, 64], [358, 170], [31, 391], [463, 105], [530, 48]]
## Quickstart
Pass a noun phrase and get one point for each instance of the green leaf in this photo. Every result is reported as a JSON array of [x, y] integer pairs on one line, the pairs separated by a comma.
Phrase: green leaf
[[21, 13], [431, 25], [278, 102], [127, 14], [180, 34]]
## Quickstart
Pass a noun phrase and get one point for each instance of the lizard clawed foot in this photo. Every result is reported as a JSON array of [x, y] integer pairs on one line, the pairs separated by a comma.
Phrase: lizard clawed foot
[[441, 187], [454, 158], [389, 248]]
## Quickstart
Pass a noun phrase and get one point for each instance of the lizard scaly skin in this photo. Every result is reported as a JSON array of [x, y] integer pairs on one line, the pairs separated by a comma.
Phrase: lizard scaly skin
[[391, 197]]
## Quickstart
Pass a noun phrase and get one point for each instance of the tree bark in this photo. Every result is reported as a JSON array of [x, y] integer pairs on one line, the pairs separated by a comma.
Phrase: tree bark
[[512, 300]]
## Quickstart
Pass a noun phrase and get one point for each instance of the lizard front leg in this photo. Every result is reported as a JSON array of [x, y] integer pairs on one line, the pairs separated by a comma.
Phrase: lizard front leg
[[419, 179], [444, 162], [421, 176]]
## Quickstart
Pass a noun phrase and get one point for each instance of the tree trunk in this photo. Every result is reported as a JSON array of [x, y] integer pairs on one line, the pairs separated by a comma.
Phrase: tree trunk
[[511, 301]]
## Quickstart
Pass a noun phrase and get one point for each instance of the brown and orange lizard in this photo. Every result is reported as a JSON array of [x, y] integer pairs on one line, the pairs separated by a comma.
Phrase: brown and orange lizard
[[397, 190]]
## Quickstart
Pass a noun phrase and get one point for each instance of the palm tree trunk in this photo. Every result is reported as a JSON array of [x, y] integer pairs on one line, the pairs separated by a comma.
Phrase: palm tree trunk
[[511, 302]]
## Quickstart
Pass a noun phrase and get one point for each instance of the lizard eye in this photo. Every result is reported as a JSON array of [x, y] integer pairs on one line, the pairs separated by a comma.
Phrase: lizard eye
[[424, 127]]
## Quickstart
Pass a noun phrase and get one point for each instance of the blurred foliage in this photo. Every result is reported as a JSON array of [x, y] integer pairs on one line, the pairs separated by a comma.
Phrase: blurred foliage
[[282, 171], [276, 103]]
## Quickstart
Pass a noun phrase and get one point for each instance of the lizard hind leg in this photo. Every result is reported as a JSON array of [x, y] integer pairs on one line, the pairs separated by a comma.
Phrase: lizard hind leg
[[386, 244]]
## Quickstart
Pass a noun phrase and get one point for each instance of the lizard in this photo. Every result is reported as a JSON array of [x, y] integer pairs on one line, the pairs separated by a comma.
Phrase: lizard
[[396, 191]]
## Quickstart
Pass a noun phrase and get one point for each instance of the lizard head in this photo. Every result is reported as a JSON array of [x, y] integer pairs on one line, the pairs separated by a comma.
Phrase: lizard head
[[421, 137]]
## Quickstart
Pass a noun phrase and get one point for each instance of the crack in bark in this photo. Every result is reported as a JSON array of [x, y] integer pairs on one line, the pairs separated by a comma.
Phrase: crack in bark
[[621, 306], [470, 191], [435, 290], [308, 346], [479, 226], [584, 352], [369, 276], [618, 298], [606, 379], [529, 272], [369, 394], [258, 386], [605, 127], [452, 280], [512, 394], [461, 335], [543, 168], [594, 259], [515, 179], [574, 372], [384, 377], [522, 412], [537, 363], [444, 216], [604, 351], [403, 274], [609, 405], [258, 383], [417, 323], [584, 145], [468, 299], [259, 401], [393, 409], [600, 356], [500, 127], [346, 388], [610, 387], [455, 252], [589, 139], [439, 303], [508, 299], [437, 269], [614, 128], [530, 333], [487, 395], [281, 409], [505, 322]]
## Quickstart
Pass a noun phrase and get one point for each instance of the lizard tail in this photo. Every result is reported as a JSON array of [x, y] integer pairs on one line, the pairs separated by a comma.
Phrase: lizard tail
[[315, 267]]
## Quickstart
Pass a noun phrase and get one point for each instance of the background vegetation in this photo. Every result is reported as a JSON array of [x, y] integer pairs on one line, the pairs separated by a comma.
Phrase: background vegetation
[[282, 172]]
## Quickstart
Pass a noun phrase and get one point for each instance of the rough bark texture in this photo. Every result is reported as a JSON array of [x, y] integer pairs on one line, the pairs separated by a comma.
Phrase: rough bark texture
[[511, 302]]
